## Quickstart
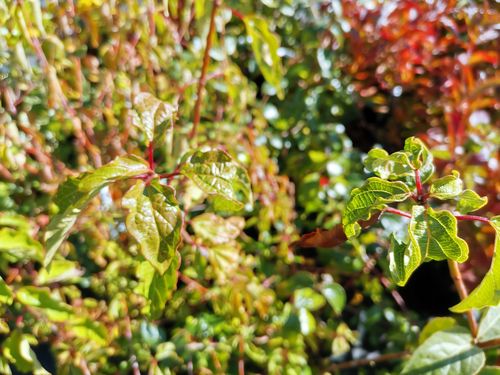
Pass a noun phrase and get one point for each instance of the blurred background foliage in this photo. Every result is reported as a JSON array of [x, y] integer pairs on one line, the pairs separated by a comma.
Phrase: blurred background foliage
[[297, 91]]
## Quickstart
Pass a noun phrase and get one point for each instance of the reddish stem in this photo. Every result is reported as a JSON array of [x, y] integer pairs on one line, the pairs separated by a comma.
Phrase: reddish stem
[[169, 175], [418, 185], [237, 14], [150, 156], [397, 212], [473, 218], [204, 68], [462, 292]]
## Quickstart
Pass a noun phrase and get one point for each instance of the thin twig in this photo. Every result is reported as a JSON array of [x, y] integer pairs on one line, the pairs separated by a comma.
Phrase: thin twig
[[489, 344], [472, 218], [241, 361], [204, 68], [462, 292], [367, 362], [418, 185], [397, 212]]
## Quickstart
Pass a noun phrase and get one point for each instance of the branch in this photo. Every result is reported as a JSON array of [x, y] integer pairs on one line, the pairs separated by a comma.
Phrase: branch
[[151, 160], [397, 212], [472, 218], [418, 185], [368, 362], [204, 68], [462, 292], [488, 344]]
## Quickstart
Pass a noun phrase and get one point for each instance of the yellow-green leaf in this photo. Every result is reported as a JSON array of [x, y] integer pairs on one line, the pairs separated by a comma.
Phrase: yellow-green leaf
[[372, 196], [155, 221], [435, 233], [152, 115], [447, 352], [470, 201], [447, 187], [155, 287], [487, 293], [265, 46], [218, 175]]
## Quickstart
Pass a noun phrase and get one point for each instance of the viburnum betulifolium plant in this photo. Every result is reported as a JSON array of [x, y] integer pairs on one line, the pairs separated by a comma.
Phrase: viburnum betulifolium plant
[[431, 209], [154, 218]]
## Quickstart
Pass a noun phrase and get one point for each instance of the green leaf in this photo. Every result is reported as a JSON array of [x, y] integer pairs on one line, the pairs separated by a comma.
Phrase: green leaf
[[372, 196], [217, 174], [119, 169], [446, 352], [435, 234], [216, 229], [388, 167], [5, 293], [74, 195], [224, 258], [59, 270], [17, 350], [434, 325], [308, 298], [41, 298], [17, 245], [487, 293], [88, 329], [155, 221], [420, 157], [335, 296], [265, 46], [404, 259], [470, 201], [307, 321], [155, 287], [447, 187], [489, 326], [152, 115], [490, 370]]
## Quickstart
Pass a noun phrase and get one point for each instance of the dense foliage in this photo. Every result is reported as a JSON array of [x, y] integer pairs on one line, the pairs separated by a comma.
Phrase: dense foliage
[[163, 162]]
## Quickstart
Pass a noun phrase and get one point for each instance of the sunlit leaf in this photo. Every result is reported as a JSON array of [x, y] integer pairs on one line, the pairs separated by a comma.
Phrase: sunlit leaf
[[420, 157], [447, 352], [335, 295], [41, 298], [265, 46], [489, 326], [372, 196], [152, 115], [388, 167], [434, 325], [308, 298], [17, 350], [217, 174], [447, 187], [435, 234], [404, 259], [74, 195], [155, 221], [488, 291], [17, 245], [470, 201], [5, 293], [60, 270], [88, 329], [155, 287], [119, 169], [307, 321], [216, 229]]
